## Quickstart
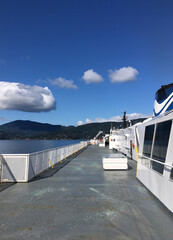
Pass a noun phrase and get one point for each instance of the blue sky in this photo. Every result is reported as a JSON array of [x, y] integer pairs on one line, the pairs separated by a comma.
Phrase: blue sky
[[96, 58]]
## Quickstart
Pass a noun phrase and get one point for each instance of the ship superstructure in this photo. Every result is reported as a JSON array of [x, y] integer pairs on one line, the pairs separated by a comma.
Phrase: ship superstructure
[[163, 99], [150, 143]]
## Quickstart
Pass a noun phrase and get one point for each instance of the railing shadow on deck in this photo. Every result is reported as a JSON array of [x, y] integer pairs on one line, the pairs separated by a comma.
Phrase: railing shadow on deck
[[129, 161], [4, 185], [129, 167], [51, 171]]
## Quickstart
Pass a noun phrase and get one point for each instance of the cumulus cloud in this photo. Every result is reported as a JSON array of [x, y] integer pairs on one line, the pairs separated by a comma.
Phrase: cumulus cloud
[[125, 74], [79, 123], [17, 96], [114, 118], [138, 115], [92, 77], [63, 83]]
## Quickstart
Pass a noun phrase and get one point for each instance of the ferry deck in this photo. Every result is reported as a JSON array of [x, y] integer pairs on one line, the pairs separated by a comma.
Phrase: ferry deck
[[82, 201]]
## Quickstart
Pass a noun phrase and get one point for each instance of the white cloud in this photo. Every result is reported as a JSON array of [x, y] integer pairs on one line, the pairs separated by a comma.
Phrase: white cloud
[[138, 115], [17, 96], [125, 74], [114, 118], [63, 83], [79, 123], [92, 77], [88, 120]]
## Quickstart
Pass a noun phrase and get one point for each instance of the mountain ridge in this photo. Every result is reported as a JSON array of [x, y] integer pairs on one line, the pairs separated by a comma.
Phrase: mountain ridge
[[26, 129]]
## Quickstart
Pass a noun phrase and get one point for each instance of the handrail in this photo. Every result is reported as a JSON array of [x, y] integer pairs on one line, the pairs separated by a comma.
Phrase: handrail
[[56, 148], [35, 163], [151, 159], [126, 147], [0, 161], [45, 150]]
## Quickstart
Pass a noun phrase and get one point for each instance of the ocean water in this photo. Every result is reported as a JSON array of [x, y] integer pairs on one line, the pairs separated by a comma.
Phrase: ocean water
[[30, 146]]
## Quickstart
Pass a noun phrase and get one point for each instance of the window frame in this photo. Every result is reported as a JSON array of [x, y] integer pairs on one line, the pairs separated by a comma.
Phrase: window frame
[[152, 141], [147, 160], [171, 173]]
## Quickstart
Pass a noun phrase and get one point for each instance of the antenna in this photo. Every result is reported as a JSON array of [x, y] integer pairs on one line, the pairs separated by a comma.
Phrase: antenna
[[124, 118]]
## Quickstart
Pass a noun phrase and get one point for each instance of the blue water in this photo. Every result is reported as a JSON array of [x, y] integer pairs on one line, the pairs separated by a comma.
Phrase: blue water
[[30, 146]]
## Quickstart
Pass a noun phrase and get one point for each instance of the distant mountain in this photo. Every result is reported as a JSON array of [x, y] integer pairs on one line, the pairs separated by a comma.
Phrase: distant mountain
[[88, 131], [29, 129], [4, 135], [34, 130]]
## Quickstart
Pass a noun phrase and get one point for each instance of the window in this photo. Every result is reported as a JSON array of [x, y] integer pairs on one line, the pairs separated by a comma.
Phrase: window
[[160, 95], [161, 144], [149, 131], [168, 91], [171, 176]]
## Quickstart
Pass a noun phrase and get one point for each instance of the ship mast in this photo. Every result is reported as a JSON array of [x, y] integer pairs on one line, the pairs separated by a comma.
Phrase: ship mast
[[124, 118]]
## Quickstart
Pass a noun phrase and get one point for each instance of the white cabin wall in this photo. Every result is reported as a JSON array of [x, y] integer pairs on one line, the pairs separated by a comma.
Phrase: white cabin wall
[[111, 141], [134, 144], [161, 185]]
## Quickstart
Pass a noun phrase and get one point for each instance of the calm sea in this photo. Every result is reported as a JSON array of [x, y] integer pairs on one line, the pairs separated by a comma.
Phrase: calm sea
[[30, 146]]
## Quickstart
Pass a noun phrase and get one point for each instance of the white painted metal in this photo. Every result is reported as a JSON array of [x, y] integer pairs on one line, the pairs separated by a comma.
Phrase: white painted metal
[[0, 161], [160, 108], [14, 168], [116, 139], [160, 185], [112, 138], [114, 161], [94, 142], [24, 167], [125, 141], [98, 134], [102, 142], [131, 141]]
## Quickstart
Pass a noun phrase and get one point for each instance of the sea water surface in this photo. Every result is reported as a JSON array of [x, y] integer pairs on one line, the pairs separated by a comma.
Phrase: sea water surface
[[30, 146]]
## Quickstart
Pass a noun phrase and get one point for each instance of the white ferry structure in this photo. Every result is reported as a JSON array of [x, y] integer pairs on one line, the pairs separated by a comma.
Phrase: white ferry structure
[[150, 143], [71, 192]]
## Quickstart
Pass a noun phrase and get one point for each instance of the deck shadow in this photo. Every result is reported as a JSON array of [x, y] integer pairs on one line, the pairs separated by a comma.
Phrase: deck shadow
[[129, 167], [57, 167], [4, 185], [119, 170]]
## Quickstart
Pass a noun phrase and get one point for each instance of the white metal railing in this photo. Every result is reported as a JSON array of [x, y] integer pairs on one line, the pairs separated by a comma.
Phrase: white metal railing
[[24, 167], [0, 162], [153, 160], [0, 166]]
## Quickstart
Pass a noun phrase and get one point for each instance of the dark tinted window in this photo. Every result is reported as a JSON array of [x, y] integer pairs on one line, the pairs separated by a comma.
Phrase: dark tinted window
[[168, 91], [160, 95], [161, 144], [149, 131], [171, 174]]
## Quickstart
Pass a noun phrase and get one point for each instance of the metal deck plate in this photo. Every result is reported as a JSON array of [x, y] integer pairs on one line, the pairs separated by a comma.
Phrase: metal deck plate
[[81, 201]]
